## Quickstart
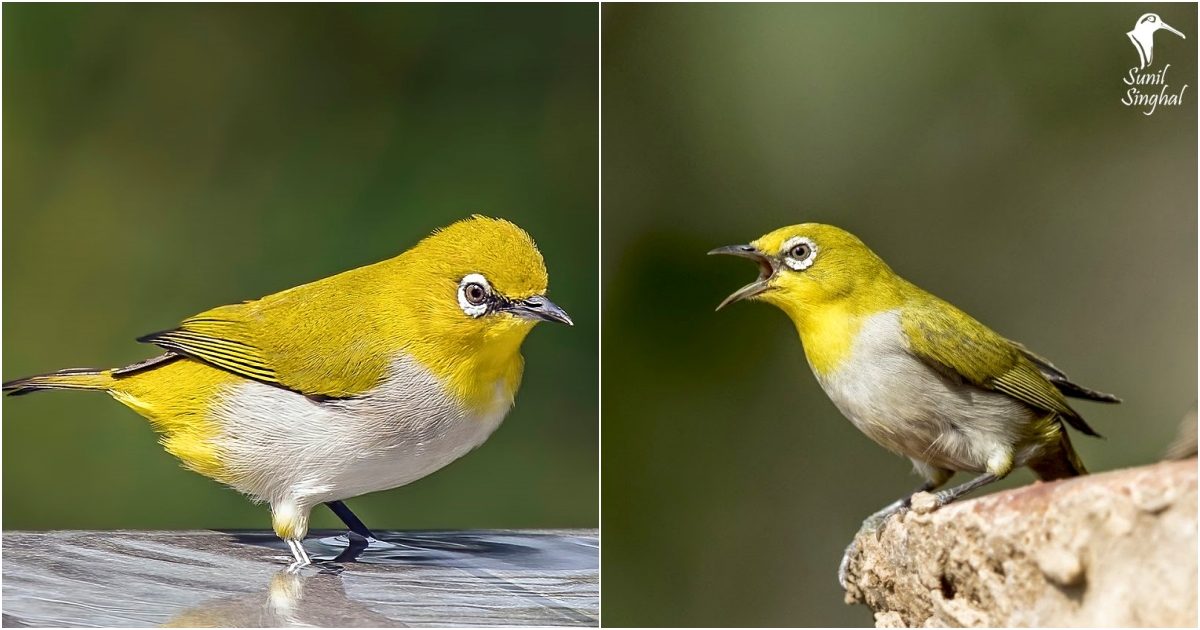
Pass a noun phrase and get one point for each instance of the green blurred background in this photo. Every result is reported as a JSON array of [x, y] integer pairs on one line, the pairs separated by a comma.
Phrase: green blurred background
[[981, 150], [160, 160]]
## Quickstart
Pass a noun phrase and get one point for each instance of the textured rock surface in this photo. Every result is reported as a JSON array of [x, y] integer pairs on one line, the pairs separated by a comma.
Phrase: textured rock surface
[[216, 579], [1111, 549]]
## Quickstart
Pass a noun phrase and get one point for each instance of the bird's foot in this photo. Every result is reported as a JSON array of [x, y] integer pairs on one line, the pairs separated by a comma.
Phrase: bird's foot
[[844, 565], [355, 545], [874, 524]]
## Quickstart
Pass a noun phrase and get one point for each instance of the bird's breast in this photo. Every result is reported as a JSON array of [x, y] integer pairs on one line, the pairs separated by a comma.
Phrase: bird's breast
[[282, 445], [906, 406]]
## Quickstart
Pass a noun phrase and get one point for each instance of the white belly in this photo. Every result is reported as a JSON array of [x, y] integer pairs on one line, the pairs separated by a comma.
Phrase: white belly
[[909, 408], [284, 447]]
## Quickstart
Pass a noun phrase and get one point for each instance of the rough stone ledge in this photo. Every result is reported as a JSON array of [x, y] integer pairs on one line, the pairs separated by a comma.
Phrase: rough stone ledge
[[1109, 549]]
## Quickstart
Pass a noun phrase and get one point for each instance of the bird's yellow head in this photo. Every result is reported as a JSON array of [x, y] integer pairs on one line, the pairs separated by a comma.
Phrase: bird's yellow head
[[807, 268], [472, 291], [479, 280]]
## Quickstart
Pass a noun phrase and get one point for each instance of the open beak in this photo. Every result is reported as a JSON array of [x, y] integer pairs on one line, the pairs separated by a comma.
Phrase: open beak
[[766, 269], [538, 308], [1165, 26]]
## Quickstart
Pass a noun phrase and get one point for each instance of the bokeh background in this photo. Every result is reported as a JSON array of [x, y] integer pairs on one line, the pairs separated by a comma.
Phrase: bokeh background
[[981, 150], [160, 160]]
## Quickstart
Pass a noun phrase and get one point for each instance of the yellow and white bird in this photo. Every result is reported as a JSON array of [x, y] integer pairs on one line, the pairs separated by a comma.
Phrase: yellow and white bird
[[915, 374], [363, 381]]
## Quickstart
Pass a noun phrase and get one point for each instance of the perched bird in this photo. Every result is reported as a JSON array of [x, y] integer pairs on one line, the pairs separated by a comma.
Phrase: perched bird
[[917, 375], [363, 381]]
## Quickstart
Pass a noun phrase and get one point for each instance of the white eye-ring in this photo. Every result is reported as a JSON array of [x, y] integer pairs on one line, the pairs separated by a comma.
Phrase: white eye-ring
[[473, 294], [799, 253]]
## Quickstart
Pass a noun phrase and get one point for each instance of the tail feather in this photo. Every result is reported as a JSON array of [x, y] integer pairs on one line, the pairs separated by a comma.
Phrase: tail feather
[[70, 378], [1059, 463]]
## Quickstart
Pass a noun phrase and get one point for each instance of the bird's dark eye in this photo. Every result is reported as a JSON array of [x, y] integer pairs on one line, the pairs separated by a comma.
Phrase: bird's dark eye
[[475, 293], [799, 253]]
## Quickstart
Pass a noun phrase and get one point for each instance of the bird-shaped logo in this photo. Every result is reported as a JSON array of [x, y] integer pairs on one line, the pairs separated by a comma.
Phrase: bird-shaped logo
[[1142, 36]]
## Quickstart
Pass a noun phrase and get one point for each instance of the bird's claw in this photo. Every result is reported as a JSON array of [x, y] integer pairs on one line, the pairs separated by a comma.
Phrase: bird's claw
[[874, 524], [899, 516], [844, 565]]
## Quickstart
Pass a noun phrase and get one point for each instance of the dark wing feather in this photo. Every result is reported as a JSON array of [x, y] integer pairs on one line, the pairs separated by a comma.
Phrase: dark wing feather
[[222, 338], [1060, 380], [286, 341]]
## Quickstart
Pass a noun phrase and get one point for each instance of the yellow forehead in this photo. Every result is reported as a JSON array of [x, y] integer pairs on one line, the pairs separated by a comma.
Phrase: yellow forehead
[[499, 250], [825, 237]]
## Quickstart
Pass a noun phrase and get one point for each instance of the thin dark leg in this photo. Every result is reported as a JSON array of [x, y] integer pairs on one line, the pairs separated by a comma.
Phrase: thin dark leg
[[948, 496], [349, 519], [875, 520]]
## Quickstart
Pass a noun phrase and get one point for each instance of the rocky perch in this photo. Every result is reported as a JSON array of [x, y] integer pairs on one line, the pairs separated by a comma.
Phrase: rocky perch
[[1109, 549]]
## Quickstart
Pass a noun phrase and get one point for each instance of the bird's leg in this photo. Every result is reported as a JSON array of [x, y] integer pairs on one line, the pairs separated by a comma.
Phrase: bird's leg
[[356, 526], [998, 467], [300, 555], [875, 521], [949, 496], [935, 477], [290, 522], [357, 539]]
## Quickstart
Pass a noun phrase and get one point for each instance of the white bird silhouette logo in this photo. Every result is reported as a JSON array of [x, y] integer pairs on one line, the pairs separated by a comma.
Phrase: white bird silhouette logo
[[1142, 36]]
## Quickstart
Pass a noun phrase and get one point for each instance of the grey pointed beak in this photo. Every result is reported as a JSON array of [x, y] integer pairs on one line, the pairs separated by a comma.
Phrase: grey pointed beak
[[1167, 27], [766, 269], [539, 308]]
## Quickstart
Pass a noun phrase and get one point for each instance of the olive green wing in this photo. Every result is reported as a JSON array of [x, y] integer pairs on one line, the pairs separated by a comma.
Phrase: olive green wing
[[960, 347], [283, 341]]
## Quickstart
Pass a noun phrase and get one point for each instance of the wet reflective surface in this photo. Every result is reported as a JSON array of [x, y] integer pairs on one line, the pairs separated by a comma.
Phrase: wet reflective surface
[[209, 578], [486, 550]]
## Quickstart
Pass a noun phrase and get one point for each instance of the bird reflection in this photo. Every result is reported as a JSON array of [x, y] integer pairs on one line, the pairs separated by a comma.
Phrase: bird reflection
[[314, 596], [552, 575]]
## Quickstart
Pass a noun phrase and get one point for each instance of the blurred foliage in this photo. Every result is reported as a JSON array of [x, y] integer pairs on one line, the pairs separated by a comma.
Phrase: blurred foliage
[[160, 160], [981, 150]]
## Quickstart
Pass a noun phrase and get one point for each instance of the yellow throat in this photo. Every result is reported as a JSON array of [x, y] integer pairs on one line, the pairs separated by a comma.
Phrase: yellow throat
[[827, 302]]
